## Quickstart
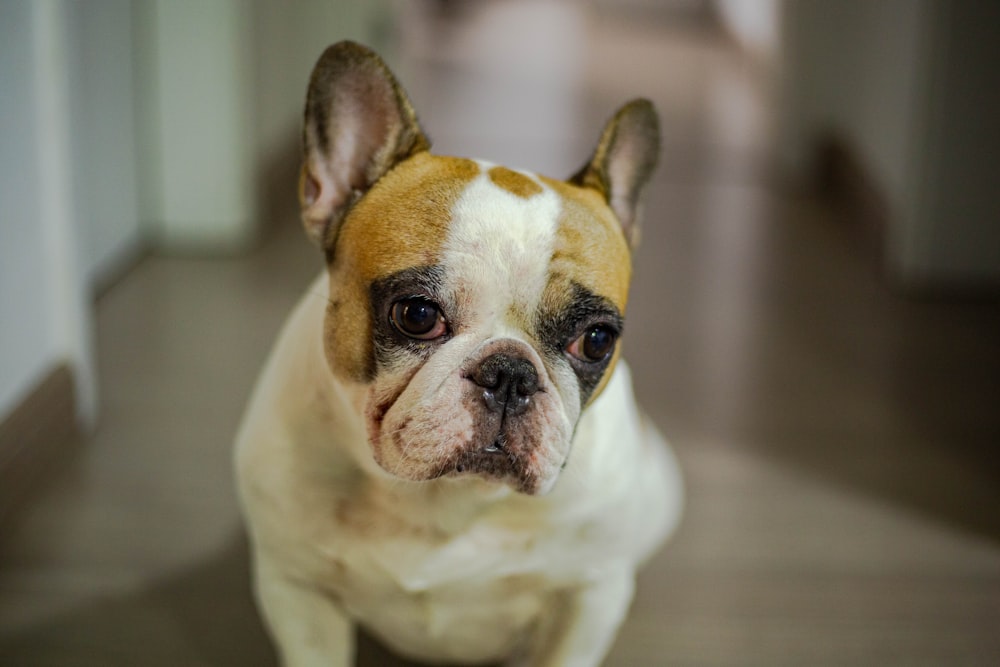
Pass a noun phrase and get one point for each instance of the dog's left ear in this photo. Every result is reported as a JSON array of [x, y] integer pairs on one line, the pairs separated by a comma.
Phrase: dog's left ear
[[623, 162], [359, 124]]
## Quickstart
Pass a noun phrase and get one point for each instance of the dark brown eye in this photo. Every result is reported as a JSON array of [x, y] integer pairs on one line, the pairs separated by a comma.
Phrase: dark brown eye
[[594, 345], [418, 318]]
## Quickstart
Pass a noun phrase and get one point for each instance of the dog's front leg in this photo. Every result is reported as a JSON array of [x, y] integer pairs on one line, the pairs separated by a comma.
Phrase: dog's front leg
[[583, 624], [308, 626]]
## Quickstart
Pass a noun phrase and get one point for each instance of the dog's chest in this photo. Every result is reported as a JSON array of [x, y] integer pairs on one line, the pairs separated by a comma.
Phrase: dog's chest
[[425, 590], [480, 619], [419, 544]]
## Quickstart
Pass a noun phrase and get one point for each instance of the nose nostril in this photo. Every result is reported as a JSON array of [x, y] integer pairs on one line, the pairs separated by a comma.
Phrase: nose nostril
[[490, 398], [508, 382], [528, 383], [518, 404]]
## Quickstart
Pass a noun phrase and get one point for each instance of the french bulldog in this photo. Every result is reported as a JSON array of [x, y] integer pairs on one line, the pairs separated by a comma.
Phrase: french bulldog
[[443, 447]]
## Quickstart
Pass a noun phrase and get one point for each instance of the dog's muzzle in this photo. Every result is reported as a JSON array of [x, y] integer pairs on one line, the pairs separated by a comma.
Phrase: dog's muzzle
[[515, 436]]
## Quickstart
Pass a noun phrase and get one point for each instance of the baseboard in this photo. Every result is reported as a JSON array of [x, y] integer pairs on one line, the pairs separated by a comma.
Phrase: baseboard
[[32, 437], [116, 265]]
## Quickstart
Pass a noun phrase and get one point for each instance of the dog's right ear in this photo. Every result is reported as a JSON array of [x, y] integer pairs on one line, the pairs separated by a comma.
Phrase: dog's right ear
[[358, 124], [623, 162]]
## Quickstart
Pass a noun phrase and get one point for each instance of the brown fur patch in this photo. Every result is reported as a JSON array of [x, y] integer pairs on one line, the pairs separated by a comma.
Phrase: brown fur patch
[[400, 223], [590, 247], [591, 250], [513, 182]]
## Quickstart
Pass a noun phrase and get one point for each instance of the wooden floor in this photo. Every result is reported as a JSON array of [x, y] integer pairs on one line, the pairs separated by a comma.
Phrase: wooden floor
[[841, 445]]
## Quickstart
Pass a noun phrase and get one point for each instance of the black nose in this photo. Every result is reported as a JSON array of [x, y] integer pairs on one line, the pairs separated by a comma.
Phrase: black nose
[[508, 383]]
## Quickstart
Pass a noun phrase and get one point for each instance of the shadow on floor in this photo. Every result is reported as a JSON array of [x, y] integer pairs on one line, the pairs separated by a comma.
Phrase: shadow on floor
[[203, 616], [896, 396], [209, 606]]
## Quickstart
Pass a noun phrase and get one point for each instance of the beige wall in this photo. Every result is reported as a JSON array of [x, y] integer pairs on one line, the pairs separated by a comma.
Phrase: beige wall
[[852, 67], [909, 84], [955, 238], [288, 38], [754, 24]]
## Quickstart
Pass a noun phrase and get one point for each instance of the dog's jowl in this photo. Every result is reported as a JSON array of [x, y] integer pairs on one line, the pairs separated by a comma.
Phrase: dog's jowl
[[443, 447]]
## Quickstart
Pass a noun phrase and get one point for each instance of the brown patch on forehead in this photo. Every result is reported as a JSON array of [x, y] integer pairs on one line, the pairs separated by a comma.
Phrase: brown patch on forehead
[[400, 223], [513, 182], [403, 220]]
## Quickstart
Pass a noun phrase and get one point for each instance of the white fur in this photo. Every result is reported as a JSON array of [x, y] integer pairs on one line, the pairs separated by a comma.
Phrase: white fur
[[457, 569], [495, 242]]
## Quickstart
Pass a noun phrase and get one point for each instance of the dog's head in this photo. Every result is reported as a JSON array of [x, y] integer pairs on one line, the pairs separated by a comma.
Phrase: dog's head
[[478, 308]]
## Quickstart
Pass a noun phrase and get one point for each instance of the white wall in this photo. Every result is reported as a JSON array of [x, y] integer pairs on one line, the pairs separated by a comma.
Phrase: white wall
[[122, 112], [102, 126], [44, 314], [196, 149], [26, 336]]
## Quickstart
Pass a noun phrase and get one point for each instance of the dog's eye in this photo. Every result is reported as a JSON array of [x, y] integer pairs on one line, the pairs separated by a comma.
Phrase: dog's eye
[[594, 345], [418, 318]]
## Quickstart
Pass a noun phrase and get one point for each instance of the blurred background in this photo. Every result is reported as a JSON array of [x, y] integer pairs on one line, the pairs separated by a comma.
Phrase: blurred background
[[814, 321]]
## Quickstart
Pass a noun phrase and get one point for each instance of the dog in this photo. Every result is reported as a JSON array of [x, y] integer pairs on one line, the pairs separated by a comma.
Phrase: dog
[[443, 447]]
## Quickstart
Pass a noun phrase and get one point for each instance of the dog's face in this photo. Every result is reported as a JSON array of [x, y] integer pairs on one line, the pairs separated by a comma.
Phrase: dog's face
[[479, 308], [482, 308]]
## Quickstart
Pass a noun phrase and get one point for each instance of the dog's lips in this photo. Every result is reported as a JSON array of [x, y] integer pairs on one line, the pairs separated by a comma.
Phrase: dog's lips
[[500, 465], [503, 458]]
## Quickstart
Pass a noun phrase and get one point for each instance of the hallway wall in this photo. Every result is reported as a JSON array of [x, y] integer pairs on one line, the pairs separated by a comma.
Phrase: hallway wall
[[44, 295], [102, 135], [133, 124], [907, 86]]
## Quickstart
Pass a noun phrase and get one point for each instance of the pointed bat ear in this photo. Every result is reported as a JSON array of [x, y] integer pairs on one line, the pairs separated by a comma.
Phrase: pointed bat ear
[[358, 125], [623, 162]]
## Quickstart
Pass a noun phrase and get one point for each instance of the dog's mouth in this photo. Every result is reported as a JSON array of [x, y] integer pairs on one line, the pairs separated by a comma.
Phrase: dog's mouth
[[496, 453], [498, 462], [509, 456]]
